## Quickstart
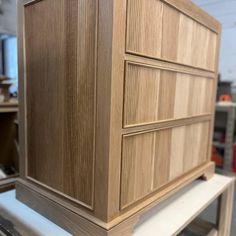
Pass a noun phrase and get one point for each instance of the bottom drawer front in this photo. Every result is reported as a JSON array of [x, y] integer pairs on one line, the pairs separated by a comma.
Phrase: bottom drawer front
[[152, 159]]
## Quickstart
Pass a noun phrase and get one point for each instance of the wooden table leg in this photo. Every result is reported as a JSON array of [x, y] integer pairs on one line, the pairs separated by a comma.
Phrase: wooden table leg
[[225, 211]]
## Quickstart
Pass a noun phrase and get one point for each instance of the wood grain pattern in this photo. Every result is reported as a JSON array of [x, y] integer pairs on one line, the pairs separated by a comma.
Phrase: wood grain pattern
[[154, 95], [161, 158], [182, 94], [138, 83], [165, 32], [177, 152], [152, 159], [193, 11], [151, 62], [170, 31], [21, 85], [137, 167], [166, 95], [203, 56], [185, 38], [105, 190], [29, 194], [195, 152], [107, 114], [61, 95], [140, 14]]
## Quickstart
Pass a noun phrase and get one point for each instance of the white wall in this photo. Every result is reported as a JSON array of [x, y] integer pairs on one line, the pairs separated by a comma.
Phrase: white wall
[[8, 18], [225, 12]]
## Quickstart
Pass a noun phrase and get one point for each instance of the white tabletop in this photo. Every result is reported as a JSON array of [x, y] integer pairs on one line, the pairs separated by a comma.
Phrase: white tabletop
[[168, 218], [174, 214]]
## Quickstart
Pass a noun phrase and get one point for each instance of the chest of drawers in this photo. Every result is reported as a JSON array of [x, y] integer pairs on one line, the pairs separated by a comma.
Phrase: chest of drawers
[[117, 107]]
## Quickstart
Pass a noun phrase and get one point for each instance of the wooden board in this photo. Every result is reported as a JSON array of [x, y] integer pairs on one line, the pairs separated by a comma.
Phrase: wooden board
[[153, 95], [151, 160], [60, 69], [121, 99], [158, 30], [76, 221]]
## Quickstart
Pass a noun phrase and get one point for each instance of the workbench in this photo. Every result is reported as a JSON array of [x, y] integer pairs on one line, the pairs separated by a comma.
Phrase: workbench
[[9, 148], [229, 109], [168, 218]]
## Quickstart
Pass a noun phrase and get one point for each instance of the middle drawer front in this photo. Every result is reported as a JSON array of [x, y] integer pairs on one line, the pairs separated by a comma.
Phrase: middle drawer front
[[152, 95]]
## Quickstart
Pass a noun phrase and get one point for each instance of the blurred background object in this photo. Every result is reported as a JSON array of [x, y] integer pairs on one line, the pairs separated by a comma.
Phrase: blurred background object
[[9, 150]]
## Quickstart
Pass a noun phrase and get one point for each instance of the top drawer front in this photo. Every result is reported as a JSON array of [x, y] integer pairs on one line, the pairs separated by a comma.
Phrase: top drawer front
[[157, 30]]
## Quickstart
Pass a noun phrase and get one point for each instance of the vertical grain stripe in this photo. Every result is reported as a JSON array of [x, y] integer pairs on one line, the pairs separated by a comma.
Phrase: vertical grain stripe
[[158, 30]]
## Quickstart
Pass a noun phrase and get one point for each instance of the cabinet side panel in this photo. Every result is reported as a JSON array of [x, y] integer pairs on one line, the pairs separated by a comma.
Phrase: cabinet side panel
[[60, 39]]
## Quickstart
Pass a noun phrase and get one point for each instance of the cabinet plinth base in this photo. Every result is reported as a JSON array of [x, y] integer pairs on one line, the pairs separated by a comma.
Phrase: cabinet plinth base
[[81, 225]]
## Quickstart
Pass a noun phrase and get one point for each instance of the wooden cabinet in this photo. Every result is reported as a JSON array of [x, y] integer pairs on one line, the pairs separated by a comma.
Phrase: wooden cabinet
[[117, 107]]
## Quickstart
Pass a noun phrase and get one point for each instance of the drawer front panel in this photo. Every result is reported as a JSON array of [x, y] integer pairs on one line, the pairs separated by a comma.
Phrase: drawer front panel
[[157, 30], [153, 95], [153, 159]]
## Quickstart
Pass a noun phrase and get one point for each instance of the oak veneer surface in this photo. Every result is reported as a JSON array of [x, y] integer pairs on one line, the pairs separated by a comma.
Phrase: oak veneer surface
[[60, 67], [157, 30], [152, 159], [171, 95], [117, 101]]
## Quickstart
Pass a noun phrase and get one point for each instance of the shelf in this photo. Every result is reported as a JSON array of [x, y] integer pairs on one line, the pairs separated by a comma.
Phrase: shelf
[[7, 107], [228, 125], [8, 183], [225, 107], [219, 145]]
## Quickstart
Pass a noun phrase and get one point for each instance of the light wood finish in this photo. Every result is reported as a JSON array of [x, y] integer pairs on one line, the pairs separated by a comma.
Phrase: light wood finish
[[165, 65], [57, 79], [151, 160], [48, 205], [154, 25], [171, 95], [101, 125]]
